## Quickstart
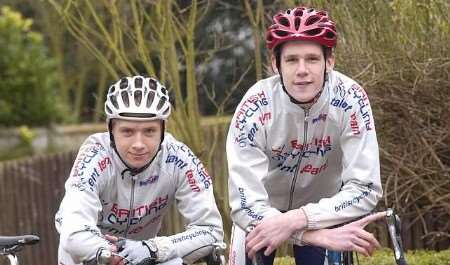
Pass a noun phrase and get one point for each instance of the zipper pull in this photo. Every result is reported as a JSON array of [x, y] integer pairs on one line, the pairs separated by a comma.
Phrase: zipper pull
[[306, 115]]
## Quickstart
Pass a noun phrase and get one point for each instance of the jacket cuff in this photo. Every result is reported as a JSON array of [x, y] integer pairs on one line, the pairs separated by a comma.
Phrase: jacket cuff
[[297, 238], [311, 218]]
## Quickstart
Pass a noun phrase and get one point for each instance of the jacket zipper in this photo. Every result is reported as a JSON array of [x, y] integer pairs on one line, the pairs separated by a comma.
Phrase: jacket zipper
[[299, 161], [130, 208]]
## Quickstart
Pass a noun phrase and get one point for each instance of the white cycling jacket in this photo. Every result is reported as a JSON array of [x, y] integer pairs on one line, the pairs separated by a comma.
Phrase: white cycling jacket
[[101, 200], [282, 157]]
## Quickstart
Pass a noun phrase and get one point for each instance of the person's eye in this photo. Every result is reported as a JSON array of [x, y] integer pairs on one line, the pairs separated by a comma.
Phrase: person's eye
[[313, 59], [149, 131], [126, 132], [291, 59]]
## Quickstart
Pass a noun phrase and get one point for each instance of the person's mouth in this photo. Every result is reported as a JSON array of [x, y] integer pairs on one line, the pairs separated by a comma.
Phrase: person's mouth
[[138, 155], [302, 83]]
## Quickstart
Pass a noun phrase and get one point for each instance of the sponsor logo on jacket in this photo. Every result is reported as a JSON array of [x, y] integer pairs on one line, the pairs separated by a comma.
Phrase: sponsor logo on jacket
[[355, 199], [248, 108], [310, 169], [354, 124], [176, 160], [340, 103], [85, 158], [321, 117], [190, 236], [191, 180], [126, 216], [244, 206], [318, 146], [363, 102], [148, 181]]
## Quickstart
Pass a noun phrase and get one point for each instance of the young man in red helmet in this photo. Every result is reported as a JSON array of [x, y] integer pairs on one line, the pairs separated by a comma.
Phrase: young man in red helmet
[[302, 150]]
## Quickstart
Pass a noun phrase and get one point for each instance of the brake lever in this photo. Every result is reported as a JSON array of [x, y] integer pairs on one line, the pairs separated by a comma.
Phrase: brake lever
[[394, 228]]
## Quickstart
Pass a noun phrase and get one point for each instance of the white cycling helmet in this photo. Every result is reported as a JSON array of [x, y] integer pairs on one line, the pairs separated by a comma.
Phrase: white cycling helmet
[[137, 98]]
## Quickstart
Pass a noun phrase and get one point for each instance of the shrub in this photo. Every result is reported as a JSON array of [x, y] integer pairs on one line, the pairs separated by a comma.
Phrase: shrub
[[386, 257], [29, 83]]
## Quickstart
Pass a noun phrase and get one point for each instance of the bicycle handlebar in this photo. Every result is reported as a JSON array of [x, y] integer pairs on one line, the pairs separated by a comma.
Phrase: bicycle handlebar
[[13, 241], [104, 256], [10, 245]]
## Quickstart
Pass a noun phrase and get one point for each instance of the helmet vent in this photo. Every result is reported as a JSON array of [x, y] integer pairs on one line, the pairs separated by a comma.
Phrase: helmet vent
[[298, 13], [161, 103], [164, 90], [150, 98], [138, 82], [166, 111], [152, 84], [297, 23], [313, 32], [284, 21], [281, 33], [113, 100], [125, 99], [137, 97], [112, 89], [108, 110], [123, 83], [137, 115], [312, 20], [330, 35]]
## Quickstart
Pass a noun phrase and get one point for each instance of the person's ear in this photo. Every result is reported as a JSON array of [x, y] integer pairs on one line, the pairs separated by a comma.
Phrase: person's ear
[[274, 63], [329, 62]]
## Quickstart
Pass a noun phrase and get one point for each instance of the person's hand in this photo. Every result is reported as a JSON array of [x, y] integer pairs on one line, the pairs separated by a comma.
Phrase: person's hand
[[135, 251], [270, 233], [350, 237], [115, 260]]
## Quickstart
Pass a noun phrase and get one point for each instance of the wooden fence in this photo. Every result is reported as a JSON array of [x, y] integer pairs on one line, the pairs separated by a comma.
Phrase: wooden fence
[[30, 193], [31, 190]]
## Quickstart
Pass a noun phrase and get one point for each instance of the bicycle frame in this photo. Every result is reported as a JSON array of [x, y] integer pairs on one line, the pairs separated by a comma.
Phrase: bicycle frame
[[10, 245]]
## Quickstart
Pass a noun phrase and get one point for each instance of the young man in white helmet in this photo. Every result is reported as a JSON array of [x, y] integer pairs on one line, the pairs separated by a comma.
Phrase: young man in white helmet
[[302, 150], [123, 182]]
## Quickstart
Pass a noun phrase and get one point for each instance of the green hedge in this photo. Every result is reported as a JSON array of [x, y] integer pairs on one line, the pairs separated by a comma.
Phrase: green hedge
[[386, 257], [29, 88]]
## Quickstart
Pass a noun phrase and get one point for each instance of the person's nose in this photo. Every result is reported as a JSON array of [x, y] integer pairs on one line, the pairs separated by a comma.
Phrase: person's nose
[[138, 143], [301, 68]]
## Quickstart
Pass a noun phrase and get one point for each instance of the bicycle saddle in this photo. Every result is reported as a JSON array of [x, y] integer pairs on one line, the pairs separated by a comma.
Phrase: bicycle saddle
[[10, 241]]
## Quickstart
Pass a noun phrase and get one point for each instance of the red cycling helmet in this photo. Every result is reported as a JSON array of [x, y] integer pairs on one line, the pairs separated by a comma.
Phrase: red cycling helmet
[[301, 23]]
